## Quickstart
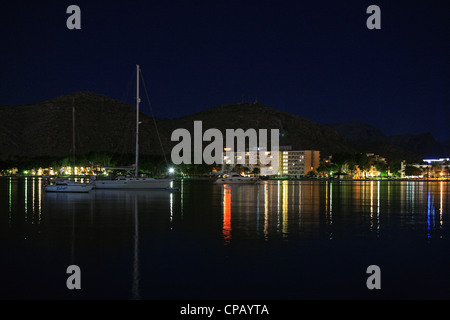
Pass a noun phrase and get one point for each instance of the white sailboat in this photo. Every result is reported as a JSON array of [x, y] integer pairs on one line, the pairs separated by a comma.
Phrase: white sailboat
[[67, 185], [134, 182]]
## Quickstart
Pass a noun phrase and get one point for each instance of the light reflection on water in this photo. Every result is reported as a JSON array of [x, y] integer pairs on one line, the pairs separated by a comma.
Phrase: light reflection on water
[[227, 214], [271, 210], [139, 226], [291, 209]]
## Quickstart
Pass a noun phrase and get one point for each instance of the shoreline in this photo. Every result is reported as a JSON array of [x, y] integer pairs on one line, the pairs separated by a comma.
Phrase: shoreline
[[273, 179]]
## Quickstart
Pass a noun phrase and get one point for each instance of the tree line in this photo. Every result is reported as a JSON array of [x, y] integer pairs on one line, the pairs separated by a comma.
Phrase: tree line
[[349, 163], [148, 164], [344, 163]]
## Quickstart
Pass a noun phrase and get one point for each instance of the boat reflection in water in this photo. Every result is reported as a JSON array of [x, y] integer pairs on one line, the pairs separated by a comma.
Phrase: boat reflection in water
[[108, 213]]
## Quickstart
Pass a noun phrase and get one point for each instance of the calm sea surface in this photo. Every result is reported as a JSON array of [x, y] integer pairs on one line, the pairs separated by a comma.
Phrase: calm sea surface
[[275, 240]]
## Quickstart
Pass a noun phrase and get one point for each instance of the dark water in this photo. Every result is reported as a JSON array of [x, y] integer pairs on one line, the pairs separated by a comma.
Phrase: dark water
[[276, 240]]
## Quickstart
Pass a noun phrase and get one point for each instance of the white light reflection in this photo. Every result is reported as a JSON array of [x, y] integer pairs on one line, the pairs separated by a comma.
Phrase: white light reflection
[[266, 212], [33, 193], [378, 208], [39, 198], [26, 199], [441, 206], [331, 203], [182, 201], [389, 197], [371, 205], [278, 206], [331, 208], [10, 201], [300, 204], [326, 199], [171, 210], [285, 209]]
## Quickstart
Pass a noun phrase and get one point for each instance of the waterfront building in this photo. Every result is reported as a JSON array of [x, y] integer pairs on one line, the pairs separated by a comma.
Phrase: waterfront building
[[434, 168], [296, 163], [291, 163]]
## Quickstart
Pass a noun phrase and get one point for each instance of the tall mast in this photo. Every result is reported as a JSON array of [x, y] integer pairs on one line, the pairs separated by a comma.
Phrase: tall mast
[[137, 120], [73, 136]]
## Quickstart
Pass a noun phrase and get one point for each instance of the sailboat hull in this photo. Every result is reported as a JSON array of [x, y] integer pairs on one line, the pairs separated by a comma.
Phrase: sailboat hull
[[69, 188], [133, 183]]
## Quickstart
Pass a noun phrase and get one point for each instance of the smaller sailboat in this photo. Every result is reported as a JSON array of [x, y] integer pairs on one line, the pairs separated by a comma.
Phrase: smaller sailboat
[[67, 185], [235, 178]]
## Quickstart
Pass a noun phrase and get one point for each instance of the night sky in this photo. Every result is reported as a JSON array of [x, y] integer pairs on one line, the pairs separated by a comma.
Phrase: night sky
[[316, 59]]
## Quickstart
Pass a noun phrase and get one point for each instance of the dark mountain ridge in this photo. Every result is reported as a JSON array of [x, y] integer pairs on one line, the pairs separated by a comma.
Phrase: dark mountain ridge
[[367, 138], [103, 124], [358, 133], [295, 131], [107, 125]]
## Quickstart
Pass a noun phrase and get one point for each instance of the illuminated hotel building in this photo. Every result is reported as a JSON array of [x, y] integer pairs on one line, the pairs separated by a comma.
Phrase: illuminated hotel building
[[294, 163], [291, 163]]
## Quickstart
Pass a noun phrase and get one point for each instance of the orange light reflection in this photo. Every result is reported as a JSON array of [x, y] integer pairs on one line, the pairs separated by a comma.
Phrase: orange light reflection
[[226, 214]]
